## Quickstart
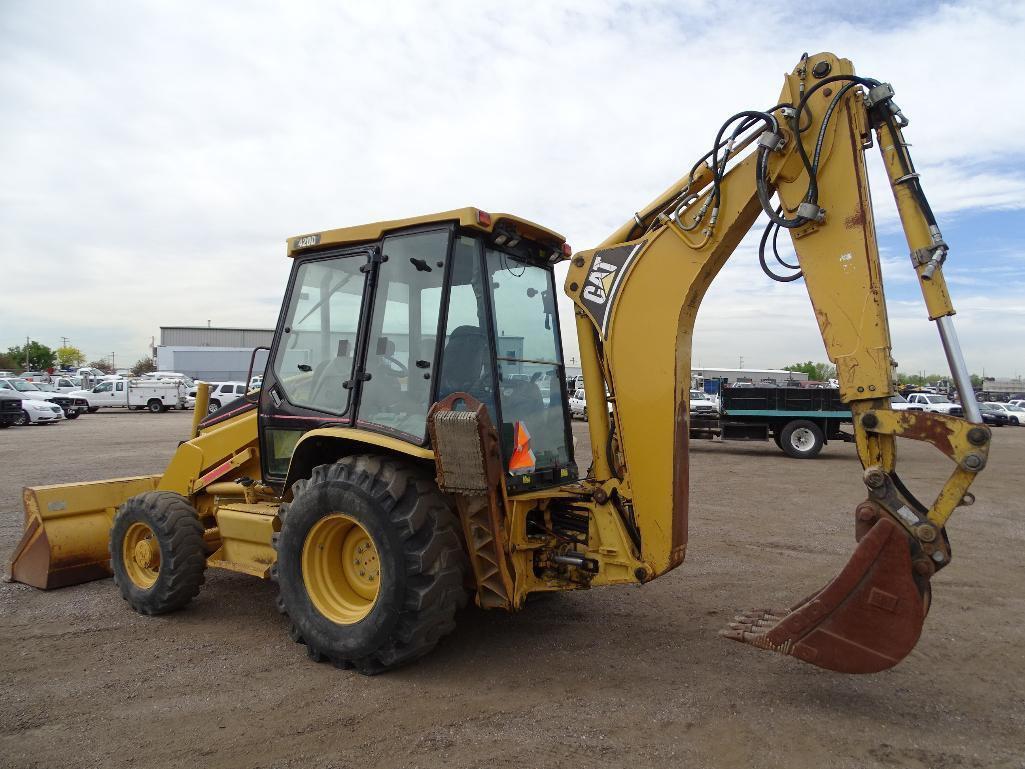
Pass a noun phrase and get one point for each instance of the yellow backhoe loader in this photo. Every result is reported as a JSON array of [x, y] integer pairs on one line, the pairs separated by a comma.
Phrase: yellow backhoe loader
[[411, 443]]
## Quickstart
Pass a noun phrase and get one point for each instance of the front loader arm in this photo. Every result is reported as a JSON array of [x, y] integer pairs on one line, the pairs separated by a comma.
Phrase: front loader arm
[[636, 300]]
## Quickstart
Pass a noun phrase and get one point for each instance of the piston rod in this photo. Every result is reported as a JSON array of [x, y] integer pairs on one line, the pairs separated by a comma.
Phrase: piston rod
[[958, 369]]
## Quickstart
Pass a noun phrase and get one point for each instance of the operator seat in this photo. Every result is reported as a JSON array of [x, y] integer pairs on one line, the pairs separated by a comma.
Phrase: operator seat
[[463, 364]]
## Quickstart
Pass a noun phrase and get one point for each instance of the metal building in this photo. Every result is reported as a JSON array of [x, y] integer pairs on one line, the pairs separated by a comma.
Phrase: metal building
[[211, 354]]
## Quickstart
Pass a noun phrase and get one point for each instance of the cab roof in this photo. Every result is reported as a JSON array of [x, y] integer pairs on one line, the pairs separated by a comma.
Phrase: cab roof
[[471, 218]]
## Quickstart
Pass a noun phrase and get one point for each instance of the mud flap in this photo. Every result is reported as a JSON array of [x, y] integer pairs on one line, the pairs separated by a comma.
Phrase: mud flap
[[866, 620], [67, 528]]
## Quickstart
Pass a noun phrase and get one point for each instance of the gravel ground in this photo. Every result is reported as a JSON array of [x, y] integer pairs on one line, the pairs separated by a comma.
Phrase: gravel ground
[[618, 676]]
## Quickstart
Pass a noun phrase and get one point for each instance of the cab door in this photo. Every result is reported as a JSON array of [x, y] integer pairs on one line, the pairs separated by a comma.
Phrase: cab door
[[311, 376]]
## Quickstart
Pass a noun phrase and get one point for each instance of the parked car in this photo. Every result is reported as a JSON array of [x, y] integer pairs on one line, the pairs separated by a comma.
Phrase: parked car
[[934, 402], [1019, 402], [70, 404], [701, 405], [578, 405], [222, 393], [1015, 414], [10, 409], [899, 403], [993, 416], [38, 412]]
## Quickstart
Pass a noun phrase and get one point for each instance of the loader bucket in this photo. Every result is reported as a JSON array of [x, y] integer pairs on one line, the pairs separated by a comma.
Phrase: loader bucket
[[67, 527], [866, 620]]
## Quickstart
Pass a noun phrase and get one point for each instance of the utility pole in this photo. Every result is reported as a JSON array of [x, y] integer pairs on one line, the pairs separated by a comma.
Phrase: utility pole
[[64, 341], [113, 367], [741, 364]]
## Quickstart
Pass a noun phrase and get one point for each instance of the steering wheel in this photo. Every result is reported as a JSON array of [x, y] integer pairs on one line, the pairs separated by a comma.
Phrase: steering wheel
[[400, 369]]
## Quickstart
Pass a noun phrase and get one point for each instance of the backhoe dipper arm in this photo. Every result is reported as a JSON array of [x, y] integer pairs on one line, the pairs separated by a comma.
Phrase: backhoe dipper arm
[[636, 300]]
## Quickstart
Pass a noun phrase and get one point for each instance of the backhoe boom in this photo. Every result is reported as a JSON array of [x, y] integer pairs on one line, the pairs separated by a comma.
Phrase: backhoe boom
[[637, 297]]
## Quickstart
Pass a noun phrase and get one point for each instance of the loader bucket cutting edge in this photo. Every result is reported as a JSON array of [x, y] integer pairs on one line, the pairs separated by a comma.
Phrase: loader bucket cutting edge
[[67, 528], [866, 620]]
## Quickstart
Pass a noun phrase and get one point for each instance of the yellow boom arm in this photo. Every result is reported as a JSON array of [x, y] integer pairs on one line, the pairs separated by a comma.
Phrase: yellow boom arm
[[637, 297]]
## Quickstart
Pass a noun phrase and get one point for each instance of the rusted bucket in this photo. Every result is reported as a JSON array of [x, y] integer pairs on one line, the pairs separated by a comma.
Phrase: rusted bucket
[[866, 620]]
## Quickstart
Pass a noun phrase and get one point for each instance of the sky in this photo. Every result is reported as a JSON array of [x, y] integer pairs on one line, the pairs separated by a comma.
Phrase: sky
[[154, 156]]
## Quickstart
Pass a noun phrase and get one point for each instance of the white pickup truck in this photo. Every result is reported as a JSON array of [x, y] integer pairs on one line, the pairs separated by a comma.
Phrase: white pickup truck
[[135, 394], [938, 404]]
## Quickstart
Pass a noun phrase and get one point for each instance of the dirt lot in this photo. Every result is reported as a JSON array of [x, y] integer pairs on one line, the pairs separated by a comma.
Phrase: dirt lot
[[619, 677]]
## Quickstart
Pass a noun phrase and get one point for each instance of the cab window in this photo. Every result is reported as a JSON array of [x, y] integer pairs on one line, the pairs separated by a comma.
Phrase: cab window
[[106, 387], [403, 334], [314, 357], [466, 354], [529, 359]]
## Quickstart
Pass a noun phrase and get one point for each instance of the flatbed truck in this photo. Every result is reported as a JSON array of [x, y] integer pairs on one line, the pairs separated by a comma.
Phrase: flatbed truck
[[799, 420]]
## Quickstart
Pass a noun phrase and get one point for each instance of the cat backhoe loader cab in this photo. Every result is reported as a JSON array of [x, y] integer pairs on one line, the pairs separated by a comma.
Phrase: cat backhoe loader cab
[[411, 444]]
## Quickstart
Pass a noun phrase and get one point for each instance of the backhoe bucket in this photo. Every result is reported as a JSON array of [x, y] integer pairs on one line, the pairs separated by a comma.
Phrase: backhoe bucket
[[866, 620], [67, 527]]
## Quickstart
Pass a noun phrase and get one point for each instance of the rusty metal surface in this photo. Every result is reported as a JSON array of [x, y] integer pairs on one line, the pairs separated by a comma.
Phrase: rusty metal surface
[[866, 620]]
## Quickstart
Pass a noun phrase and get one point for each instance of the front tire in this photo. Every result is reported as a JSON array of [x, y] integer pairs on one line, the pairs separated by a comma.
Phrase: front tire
[[93, 409], [157, 552], [370, 563], [71, 414], [23, 419], [212, 406], [801, 439]]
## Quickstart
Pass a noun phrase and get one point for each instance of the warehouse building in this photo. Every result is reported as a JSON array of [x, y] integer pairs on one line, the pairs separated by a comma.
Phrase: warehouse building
[[211, 354]]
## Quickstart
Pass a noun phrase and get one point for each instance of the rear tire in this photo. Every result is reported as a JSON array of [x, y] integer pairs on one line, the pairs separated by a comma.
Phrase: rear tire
[[155, 406], [157, 552], [801, 439], [402, 521]]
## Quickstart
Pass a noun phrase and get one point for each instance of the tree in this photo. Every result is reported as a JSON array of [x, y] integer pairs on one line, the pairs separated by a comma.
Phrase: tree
[[34, 356], [8, 363], [143, 366], [69, 357], [103, 366], [817, 372]]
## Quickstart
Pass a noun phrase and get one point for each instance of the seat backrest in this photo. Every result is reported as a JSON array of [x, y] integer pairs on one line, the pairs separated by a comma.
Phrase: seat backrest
[[466, 353]]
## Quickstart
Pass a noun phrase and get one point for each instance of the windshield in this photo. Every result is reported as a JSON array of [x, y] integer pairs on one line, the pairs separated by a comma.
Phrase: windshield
[[898, 398], [530, 370], [937, 399], [22, 386]]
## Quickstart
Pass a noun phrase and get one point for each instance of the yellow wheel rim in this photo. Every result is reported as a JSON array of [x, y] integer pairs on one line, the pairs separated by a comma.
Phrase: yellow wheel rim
[[140, 553], [341, 569]]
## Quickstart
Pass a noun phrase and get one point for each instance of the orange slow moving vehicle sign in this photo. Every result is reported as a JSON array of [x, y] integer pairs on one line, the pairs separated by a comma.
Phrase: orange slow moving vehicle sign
[[522, 460]]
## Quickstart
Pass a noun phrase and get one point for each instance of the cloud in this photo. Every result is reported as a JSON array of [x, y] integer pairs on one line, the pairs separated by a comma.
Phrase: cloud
[[156, 156]]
